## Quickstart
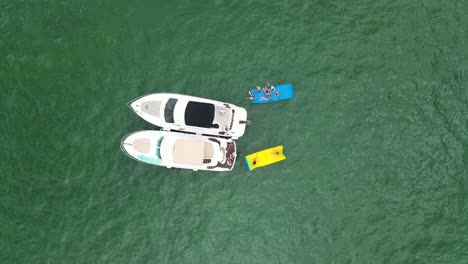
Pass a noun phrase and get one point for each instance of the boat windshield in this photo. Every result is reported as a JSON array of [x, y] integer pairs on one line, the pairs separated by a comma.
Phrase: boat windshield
[[158, 147], [169, 110]]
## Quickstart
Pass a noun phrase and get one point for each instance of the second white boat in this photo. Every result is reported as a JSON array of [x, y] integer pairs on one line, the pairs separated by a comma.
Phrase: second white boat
[[180, 150]]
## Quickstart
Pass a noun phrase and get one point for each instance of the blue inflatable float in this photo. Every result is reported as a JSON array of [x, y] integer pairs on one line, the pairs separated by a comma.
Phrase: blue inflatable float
[[276, 93]]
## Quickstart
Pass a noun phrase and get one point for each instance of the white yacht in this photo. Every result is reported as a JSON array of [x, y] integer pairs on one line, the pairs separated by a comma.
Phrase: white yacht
[[191, 114], [180, 150]]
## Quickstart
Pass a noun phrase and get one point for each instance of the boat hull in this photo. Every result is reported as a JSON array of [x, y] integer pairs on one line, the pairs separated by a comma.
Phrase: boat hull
[[191, 114], [179, 150]]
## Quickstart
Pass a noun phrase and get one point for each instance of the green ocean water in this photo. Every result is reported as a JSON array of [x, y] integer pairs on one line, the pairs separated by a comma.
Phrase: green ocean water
[[376, 139]]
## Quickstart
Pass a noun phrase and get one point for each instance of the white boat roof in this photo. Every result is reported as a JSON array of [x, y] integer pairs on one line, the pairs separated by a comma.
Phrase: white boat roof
[[192, 152], [190, 113]]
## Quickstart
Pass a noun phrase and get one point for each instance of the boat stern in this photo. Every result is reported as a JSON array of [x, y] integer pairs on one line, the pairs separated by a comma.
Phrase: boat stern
[[231, 155], [239, 122]]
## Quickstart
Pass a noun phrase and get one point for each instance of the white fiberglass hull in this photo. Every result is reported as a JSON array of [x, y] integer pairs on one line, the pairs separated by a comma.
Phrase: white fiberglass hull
[[180, 150], [191, 114]]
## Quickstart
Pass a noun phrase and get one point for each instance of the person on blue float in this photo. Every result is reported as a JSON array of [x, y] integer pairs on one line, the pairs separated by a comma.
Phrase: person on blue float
[[275, 96], [266, 90], [269, 89], [252, 96]]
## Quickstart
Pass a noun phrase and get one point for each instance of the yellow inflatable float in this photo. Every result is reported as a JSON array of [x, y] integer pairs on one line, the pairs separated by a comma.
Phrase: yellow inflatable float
[[265, 157]]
